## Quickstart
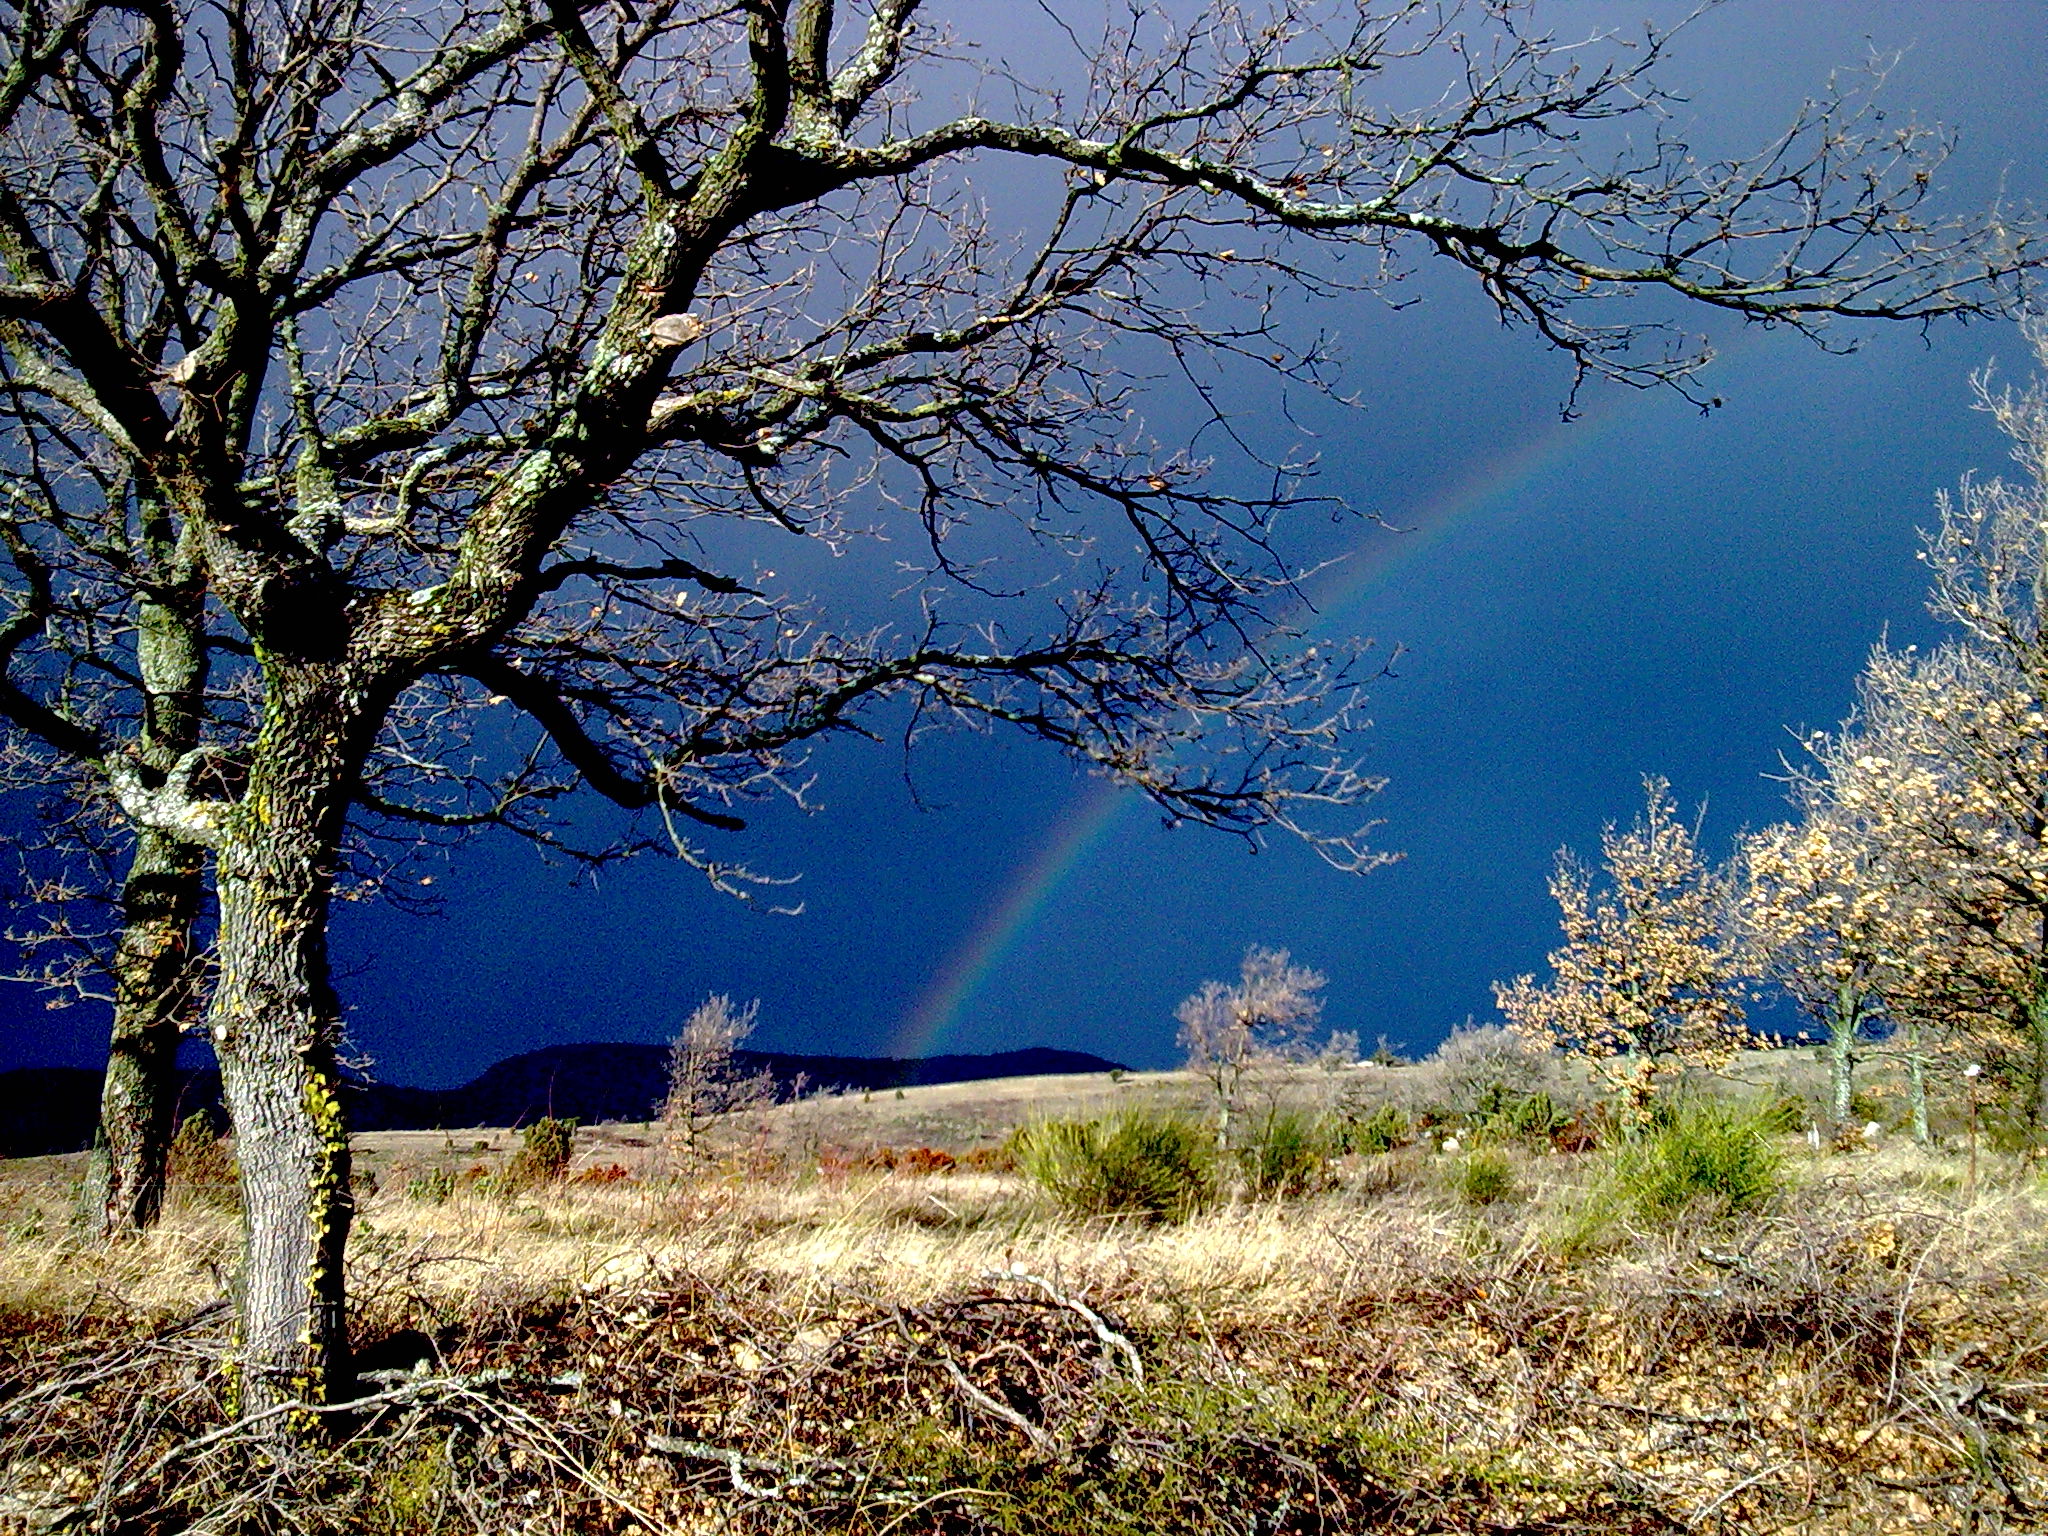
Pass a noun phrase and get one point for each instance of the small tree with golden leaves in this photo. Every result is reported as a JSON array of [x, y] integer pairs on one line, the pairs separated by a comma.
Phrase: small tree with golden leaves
[[1644, 987], [1819, 919], [1945, 766], [1945, 769]]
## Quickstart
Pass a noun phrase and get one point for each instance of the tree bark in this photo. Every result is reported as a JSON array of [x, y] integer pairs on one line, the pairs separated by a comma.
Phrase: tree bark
[[154, 990], [2037, 1062], [1916, 1087], [154, 970], [1842, 1074], [1843, 1023], [276, 1023]]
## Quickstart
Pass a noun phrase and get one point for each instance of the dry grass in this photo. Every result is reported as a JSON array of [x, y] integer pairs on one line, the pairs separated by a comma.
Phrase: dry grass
[[1870, 1355]]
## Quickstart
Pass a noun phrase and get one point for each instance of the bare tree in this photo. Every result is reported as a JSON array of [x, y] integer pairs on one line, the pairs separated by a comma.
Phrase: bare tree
[[705, 1083], [1231, 1033], [1644, 987], [528, 359]]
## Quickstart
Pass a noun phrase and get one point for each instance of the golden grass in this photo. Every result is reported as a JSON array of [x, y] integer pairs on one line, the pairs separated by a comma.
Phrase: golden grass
[[1870, 1354], [922, 1236]]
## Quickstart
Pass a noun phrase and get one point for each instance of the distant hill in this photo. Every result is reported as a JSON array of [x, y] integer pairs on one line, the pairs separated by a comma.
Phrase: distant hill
[[54, 1109]]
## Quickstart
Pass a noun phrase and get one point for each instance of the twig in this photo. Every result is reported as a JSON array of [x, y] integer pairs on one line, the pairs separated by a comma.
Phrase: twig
[[247, 1426], [1109, 1337], [1699, 1515], [736, 1463], [1039, 1439], [1716, 1421], [568, 1381], [122, 1362], [410, 1389]]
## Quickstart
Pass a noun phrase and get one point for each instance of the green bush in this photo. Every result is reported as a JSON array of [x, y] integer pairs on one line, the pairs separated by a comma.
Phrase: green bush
[[1699, 1151], [1503, 1114], [1138, 1162], [433, 1186], [1286, 1155], [545, 1148], [1381, 1131], [1484, 1177], [1784, 1113]]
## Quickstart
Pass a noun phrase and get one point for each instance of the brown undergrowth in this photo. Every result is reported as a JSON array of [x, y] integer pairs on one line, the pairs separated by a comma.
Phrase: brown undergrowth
[[897, 1353]]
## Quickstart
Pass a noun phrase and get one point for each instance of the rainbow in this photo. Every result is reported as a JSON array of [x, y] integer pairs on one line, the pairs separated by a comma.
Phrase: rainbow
[[1102, 806], [1005, 925]]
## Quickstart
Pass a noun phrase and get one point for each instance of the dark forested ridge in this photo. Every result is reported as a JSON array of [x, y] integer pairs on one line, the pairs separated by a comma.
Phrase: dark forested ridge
[[53, 1109]]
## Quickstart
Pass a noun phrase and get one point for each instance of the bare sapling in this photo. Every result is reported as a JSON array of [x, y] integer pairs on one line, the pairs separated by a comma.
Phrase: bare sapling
[[706, 1084], [1233, 1034]]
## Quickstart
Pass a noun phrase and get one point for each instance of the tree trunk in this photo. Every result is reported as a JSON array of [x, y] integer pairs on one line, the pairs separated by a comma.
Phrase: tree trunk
[[276, 1022], [1916, 1086], [154, 989], [2037, 1063], [1843, 1023], [1226, 1082], [155, 972], [1842, 1076]]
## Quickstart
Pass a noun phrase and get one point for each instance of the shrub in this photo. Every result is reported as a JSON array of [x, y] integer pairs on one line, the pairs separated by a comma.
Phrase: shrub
[[1384, 1055], [1384, 1129], [1785, 1113], [989, 1159], [926, 1160], [1504, 1114], [545, 1148], [1484, 1177], [1577, 1134], [1138, 1162], [434, 1186], [1578, 1229], [909, 1160], [1698, 1151], [1285, 1155], [1479, 1060]]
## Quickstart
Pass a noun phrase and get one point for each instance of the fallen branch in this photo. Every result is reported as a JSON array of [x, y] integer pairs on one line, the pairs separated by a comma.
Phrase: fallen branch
[[736, 1463], [979, 1399], [1109, 1337]]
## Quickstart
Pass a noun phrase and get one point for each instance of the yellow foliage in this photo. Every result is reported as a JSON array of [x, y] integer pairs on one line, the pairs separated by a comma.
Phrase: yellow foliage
[[1644, 986]]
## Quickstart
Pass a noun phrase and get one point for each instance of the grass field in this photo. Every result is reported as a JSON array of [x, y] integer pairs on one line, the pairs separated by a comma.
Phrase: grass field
[[790, 1335]]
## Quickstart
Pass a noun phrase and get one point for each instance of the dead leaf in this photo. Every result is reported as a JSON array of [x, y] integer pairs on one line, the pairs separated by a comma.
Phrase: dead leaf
[[675, 330]]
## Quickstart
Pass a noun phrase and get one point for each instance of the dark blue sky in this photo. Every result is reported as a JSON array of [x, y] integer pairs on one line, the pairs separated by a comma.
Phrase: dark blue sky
[[1644, 590]]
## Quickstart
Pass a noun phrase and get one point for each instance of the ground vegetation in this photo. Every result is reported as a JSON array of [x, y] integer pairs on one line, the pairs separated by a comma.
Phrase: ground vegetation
[[803, 1339], [465, 363]]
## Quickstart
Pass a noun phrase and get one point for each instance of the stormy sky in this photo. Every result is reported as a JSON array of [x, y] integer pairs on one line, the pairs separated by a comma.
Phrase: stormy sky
[[1645, 589]]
